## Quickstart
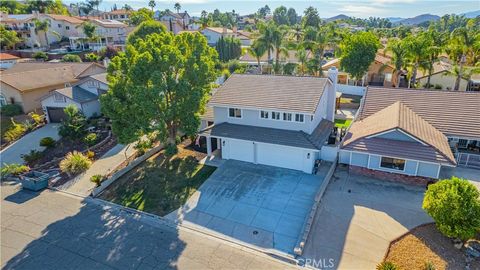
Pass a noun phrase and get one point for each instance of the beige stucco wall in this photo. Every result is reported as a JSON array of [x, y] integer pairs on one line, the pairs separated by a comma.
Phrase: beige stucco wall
[[9, 92], [446, 80]]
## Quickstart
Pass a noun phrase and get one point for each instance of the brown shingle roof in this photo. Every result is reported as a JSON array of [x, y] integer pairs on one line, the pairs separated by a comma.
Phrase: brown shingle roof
[[7, 56], [454, 113], [399, 117], [70, 19], [286, 93], [26, 76]]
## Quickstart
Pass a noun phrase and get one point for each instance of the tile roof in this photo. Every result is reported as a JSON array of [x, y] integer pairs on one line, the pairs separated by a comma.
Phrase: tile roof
[[77, 93], [454, 113], [438, 67], [65, 18], [291, 58], [271, 135], [399, 117], [101, 77], [285, 93], [7, 56], [26, 76], [108, 23], [219, 30]]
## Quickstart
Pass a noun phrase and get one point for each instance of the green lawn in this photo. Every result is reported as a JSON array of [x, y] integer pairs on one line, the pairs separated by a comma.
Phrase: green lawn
[[160, 184], [343, 123]]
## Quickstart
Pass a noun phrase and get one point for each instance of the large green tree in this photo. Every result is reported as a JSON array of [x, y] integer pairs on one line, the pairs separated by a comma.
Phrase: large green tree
[[280, 15], [8, 38], [311, 17], [358, 52], [228, 48], [141, 15], [292, 16], [397, 48], [144, 29], [160, 83], [417, 52], [257, 50]]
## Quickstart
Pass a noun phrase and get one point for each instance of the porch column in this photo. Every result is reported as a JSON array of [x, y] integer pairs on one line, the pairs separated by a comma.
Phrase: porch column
[[209, 146]]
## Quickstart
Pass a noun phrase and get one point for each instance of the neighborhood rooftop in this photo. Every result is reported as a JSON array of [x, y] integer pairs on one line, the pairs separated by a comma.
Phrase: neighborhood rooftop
[[453, 113], [77, 93], [287, 93]]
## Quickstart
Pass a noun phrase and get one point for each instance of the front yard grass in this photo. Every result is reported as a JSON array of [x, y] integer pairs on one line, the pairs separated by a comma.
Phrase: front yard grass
[[426, 244], [161, 184], [343, 123]]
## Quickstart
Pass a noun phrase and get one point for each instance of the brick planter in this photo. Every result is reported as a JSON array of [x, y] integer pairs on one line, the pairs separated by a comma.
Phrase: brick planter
[[392, 177]]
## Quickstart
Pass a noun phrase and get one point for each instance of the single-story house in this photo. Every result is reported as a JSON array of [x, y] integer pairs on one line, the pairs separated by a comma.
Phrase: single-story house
[[25, 83], [410, 134], [213, 34], [83, 94], [444, 78]]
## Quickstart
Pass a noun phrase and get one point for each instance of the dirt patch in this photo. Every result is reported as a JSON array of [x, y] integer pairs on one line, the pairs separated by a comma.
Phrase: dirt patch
[[426, 244]]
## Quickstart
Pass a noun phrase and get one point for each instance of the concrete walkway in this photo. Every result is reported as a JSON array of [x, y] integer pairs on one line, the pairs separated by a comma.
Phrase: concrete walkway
[[81, 185], [13, 153], [52, 230], [358, 218]]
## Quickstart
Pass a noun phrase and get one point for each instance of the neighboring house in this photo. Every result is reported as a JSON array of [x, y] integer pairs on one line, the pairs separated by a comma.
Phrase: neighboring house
[[174, 26], [83, 94], [122, 15], [245, 37], [111, 31], [380, 73], [443, 78], [25, 83], [410, 134], [182, 18], [213, 34], [7, 60], [247, 58], [281, 121]]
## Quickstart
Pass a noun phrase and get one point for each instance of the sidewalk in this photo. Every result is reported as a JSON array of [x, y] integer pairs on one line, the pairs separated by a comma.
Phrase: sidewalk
[[81, 185]]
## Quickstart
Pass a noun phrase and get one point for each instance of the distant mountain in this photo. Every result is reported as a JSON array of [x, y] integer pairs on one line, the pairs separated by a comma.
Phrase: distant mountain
[[395, 19], [338, 17], [419, 19], [471, 14]]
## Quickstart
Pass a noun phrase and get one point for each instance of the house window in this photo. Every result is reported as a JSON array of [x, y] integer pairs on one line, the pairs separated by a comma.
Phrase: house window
[[299, 117], [59, 26], [264, 114], [58, 98], [392, 163], [28, 35], [235, 113], [275, 115], [388, 77], [3, 100], [67, 27], [462, 143], [287, 117]]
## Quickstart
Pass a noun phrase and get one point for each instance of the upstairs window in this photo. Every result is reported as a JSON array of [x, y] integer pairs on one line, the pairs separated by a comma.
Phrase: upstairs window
[[299, 117], [264, 114], [392, 163], [287, 117], [235, 113], [275, 115], [59, 26], [67, 27]]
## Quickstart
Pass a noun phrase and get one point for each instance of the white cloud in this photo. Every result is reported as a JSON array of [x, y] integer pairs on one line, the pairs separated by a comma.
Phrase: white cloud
[[362, 10]]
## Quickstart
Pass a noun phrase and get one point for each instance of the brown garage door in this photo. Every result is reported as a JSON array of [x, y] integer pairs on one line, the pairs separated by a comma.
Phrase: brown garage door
[[56, 115]]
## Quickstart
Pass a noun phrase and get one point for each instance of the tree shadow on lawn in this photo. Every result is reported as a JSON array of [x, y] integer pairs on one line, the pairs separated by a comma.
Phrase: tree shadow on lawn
[[160, 184]]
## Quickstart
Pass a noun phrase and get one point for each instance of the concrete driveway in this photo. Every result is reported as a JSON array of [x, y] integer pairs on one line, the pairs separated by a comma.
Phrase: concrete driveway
[[13, 153], [472, 175], [260, 205], [358, 218]]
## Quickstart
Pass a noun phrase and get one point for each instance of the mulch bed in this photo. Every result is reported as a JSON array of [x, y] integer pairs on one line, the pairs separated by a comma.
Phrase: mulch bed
[[426, 244]]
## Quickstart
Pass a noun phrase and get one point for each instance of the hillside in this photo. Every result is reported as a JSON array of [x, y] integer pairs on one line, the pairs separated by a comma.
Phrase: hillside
[[419, 19], [338, 17], [472, 14]]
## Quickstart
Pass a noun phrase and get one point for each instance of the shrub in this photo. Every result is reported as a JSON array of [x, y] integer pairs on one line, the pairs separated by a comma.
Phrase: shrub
[[40, 56], [13, 169], [289, 68], [47, 142], [455, 206], [237, 67], [73, 127], [97, 179], [37, 118], [143, 145], [74, 163], [90, 154], [71, 58], [33, 156], [11, 110], [226, 73], [28, 126], [386, 266], [14, 132], [90, 139], [171, 149], [91, 57], [438, 86], [429, 266]]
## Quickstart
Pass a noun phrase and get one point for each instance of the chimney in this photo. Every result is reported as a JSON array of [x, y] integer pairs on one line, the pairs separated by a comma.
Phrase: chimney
[[333, 75], [332, 93]]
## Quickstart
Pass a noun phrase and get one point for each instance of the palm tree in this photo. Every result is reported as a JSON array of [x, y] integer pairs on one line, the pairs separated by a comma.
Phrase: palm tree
[[279, 45], [177, 7], [297, 32], [416, 53], [152, 4], [316, 41], [43, 26], [464, 40], [465, 73], [267, 36], [301, 55], [257, 51], [399, 53]]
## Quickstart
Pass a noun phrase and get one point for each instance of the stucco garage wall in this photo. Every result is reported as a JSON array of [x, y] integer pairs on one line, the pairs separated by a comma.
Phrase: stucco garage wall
[[91, 108], [428, 169], [359, 159]]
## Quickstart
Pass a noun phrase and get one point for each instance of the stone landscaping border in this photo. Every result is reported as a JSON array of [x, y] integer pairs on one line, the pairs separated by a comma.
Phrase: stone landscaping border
[[104, 184], [307, 226]]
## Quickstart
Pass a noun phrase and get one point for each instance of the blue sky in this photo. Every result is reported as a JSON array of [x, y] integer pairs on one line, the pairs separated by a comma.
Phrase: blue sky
[[362, 9]]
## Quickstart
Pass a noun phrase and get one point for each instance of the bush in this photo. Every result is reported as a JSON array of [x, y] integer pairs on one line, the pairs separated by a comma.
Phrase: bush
[[13, 169], [14, 132], [386, 266], [73, 127], [33, 156], [90, 139], [171, 149], [71, 58], [37, 118], [91, 57], [289, 68], [47, 142], [438, 86], [226, 73], [143, 145], [40, 56], [237, 67], [90, 154], [429, 266], [97, 179], [455, 206], [75, 163], [11, 110]]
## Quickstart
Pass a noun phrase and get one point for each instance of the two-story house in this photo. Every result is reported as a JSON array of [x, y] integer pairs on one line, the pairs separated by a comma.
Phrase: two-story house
[[83, 94], [122, 15], [213, 34], [280, 121], [410, 134]]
